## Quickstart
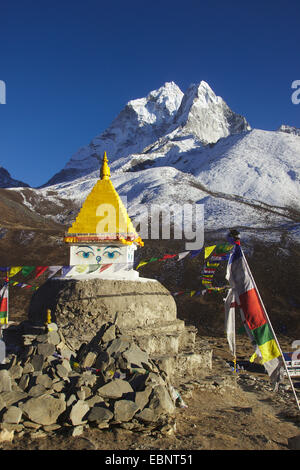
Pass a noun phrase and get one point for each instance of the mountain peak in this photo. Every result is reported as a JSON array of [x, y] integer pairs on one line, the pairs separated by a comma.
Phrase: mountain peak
[[159, 105], [161, 114], [289, 129], [207, 116], [6, 181]]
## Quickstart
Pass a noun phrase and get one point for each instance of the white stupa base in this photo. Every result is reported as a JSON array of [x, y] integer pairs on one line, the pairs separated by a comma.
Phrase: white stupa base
[[126, 275]]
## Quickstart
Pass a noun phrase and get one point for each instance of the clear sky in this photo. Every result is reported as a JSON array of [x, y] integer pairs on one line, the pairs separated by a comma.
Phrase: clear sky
[[70, 67]]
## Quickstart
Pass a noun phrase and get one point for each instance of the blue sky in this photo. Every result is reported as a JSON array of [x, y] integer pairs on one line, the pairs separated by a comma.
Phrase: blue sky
[[71, 66]]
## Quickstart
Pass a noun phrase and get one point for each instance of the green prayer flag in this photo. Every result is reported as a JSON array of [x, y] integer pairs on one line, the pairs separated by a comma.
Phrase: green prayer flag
[[26, 270]]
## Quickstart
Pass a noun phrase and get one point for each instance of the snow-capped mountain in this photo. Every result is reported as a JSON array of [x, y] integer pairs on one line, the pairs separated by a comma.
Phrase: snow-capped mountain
[[165, 115], [6, 181], [289, 129], [174, 147]]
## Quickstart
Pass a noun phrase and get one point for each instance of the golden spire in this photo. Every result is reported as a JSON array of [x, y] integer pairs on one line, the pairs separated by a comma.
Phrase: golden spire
[[105, 170]]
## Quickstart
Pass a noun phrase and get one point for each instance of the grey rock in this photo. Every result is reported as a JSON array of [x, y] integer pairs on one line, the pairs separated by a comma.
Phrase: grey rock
[[59, 386], [86, 390], [61, 371], [109, 334], [154, 380], [37, 362], [102, 361], [6, 436], [80, 395], [64, 350], [37, 390], [87, 379], [71, 400], [16, 371], [136, 357], [142, 398], [51, 427], [46, 349], [147, 415], [28, 368], [12, 427], [96, 399], [124, 410], [44, 380], [77, 431], [13, 398], [66, 364], [42, 338], [12, 415], [5, 381], [53, 337], [161, 402], [2, 403], [78, 412], [24, 381], [89, 360], [118, 345], [44, 409], [100, 414], [115, 389], [31, 425]]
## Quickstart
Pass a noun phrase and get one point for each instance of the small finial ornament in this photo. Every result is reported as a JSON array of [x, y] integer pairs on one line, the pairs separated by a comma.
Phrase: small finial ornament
[[105, 170]]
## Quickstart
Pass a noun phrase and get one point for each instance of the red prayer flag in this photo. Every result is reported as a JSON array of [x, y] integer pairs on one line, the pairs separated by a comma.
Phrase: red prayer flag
[[39, 270]]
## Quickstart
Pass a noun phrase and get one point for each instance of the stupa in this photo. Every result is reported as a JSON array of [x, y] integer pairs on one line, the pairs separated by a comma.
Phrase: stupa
[[102, 239], [102, 287]]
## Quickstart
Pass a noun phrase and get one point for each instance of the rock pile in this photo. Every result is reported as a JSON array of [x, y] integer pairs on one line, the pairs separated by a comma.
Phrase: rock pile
[[46, 386]]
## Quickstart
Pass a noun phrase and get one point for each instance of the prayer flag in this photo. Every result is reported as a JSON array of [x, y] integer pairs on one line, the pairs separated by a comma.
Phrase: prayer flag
[[4, 305], [105, 266], [39, 270], [14, 270], [53, 270], [182, 255], [65, 270], [142, 263], [195, 253], [240, 279], [208, 250], [168, 257], [230, 305], [26, 270]]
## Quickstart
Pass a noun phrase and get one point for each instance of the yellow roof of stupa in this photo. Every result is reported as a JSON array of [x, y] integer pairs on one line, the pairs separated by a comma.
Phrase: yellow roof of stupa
[[103, 215]]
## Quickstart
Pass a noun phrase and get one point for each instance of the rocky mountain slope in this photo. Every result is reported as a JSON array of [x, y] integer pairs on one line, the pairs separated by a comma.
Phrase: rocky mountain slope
[[6, 181], [165, 113], [175, 147]]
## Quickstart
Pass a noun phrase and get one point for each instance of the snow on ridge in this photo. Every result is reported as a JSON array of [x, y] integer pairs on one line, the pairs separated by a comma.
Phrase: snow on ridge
[[165, 114]]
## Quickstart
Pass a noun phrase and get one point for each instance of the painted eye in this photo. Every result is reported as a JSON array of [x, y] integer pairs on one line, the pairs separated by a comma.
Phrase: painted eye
[[112, 254], [84, 254]]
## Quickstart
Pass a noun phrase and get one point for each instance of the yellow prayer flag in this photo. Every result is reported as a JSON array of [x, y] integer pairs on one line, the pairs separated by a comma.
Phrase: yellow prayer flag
[[141, 264], [193, 292], [253, 357], [208, 250], [14, 270]]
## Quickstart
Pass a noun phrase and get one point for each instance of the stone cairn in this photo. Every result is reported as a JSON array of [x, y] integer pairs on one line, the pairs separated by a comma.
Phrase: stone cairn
[[46, 386]]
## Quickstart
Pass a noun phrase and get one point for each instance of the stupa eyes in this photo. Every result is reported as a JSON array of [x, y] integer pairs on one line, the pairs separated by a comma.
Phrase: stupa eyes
[[111, 254], [85, 254]]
